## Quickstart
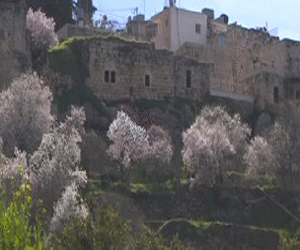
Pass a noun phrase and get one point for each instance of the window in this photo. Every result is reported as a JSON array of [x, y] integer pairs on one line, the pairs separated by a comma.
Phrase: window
[[291, 93], [2, 34], [188, 79], [111, 74], [297, 94], [106, 76], [113, 77], [198, 28], [147, 80], [222, 41], [275, 94]]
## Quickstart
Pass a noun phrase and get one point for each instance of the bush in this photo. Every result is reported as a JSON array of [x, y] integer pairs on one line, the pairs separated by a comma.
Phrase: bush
[[16, 232]]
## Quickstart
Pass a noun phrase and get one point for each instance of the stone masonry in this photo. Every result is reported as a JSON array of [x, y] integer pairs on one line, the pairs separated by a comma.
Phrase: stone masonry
[[120, 69], [14, 46]]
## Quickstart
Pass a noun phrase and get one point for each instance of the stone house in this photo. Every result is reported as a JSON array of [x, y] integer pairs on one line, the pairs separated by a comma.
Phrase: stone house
[[249, 64], [122, 69], [177, 26], [14, 41]]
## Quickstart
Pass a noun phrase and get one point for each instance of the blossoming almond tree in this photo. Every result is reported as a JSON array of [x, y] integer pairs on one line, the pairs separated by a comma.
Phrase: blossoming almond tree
[[43, 36], [25, 114], [54, 165], [41, 29], [205, 146], [133, 144], [237, 132]]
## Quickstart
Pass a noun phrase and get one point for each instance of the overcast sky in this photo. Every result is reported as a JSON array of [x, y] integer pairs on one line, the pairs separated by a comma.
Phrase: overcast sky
[[281, 14]]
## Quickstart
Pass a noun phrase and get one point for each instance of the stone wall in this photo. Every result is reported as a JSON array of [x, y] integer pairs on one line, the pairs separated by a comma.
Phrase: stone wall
[[14, 46], [120, 69], [252, 63]]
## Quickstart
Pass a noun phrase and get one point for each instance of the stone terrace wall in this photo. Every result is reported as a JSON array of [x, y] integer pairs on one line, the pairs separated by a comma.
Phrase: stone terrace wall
[[133, 62]]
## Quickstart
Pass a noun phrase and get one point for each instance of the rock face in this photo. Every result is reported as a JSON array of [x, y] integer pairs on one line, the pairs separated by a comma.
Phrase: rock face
[[14, 41]]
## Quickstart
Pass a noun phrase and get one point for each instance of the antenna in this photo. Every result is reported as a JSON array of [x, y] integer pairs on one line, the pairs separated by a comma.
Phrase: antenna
[[272, 32], [172, 3]]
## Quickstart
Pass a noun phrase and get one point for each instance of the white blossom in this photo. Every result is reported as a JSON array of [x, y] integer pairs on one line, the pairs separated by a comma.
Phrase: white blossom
[[132, 143], [25, 114], [41, 29], [68, 206], [55, 163], [205, 146], [259, 157]]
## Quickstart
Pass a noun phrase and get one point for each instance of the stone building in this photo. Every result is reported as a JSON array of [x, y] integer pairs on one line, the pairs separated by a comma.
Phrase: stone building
[[177, 26], [120, 69], [248, 62], [14, 41]]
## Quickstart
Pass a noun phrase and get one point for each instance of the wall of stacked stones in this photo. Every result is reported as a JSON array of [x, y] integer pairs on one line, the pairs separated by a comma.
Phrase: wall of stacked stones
[[136, 65], [14, 46]]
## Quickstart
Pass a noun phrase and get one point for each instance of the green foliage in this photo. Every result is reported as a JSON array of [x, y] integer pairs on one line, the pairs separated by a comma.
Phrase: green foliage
[[16, 232], [288, 241], [186, 230], [69, 58], [110, 231], [151, 240], [105, 231], [78, 234], [238, 179]]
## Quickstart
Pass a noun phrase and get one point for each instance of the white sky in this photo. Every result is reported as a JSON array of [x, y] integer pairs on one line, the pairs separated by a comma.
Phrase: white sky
[[281, 14]]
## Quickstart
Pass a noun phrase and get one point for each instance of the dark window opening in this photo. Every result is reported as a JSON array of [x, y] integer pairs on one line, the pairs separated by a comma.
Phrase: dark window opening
[[147, 80], [113, 77], [188, 79], [198, 28], [275, 94], [291, 93], [222, 41], [297, 94], [106, 76], [2, 34]]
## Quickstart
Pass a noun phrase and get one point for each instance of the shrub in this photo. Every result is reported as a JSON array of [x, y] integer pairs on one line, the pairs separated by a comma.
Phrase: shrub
[[16, 232]]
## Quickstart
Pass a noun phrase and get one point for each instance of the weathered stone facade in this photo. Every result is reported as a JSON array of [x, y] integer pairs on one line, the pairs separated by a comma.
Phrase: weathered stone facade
[[250, 62], [120, 69], [14, 46]]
